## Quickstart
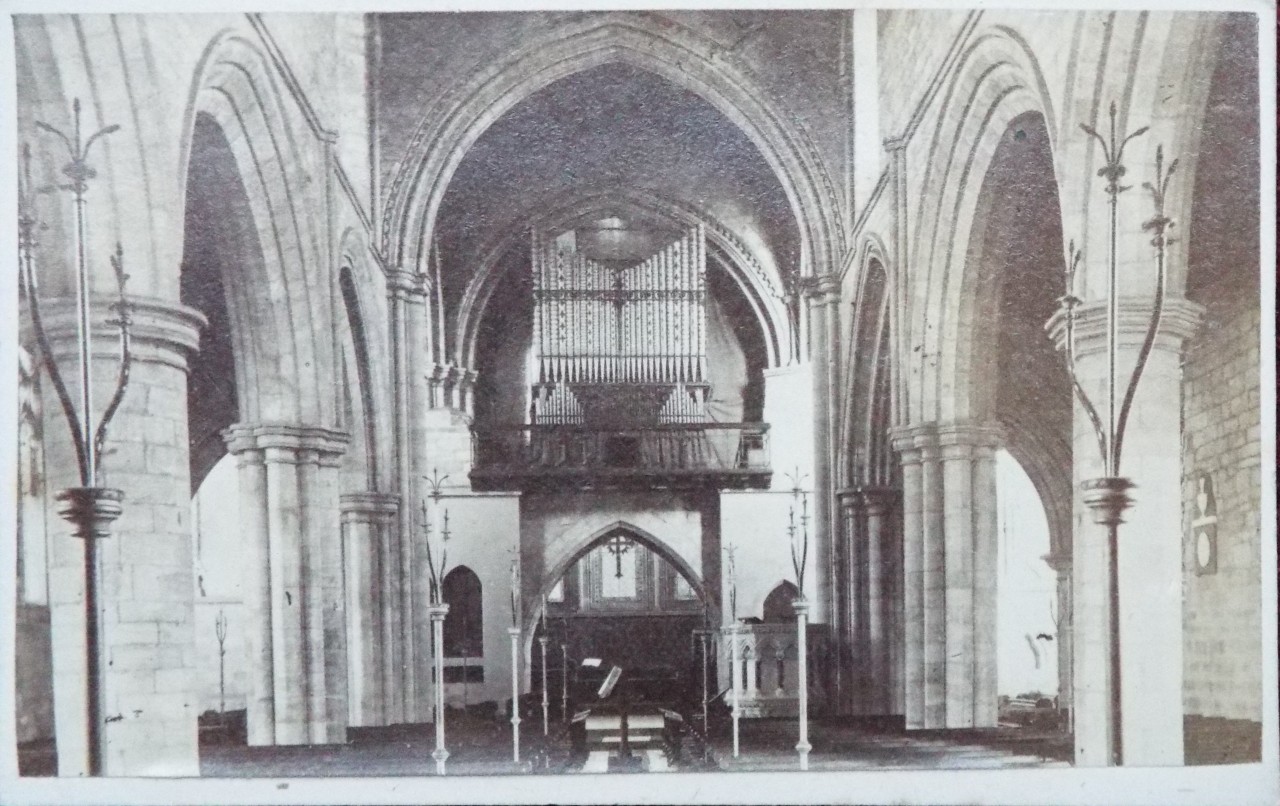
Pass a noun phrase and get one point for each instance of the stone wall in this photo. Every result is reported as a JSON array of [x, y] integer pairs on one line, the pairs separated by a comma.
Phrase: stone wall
[[1222, 425]]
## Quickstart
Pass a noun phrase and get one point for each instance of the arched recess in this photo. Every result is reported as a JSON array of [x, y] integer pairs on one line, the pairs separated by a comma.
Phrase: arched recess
[[1006, 366], [452, 125], [762, 287], [997, 80], [357, 385], [866, 458], [576, 551], [464, 626], [777, 605], [279, 314]]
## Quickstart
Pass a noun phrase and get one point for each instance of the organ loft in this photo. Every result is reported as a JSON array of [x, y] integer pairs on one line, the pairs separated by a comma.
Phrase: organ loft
[[637, 390]]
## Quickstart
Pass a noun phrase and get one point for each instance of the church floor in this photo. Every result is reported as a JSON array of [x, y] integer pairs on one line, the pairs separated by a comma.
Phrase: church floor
[[484, 748], [770, 745]]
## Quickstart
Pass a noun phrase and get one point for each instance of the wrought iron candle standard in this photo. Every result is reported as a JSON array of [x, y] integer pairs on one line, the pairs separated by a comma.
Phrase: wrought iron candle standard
[[437, 610], [543, 642], [89, 508], [564, 682], [731, 631], [798, 536], [220, 632], [514, 632], [1108, 496]]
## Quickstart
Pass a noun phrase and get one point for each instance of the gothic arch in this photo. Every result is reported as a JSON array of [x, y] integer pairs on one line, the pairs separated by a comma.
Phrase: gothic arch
[[280, 317], [579, 549], [449, 127], [867, 349], [761, 288], [996, 81], [777, 602], [357, 276]]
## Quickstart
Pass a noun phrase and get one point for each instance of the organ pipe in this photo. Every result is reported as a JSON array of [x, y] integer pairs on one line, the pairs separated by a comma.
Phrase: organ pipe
[[597, 323]]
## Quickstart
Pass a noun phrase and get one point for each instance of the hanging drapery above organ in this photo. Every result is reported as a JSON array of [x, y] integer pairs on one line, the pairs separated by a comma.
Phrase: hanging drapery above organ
[[619, 342]]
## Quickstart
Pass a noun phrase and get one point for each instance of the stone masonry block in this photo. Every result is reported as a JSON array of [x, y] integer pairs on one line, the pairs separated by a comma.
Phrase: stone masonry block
[[142, 611]]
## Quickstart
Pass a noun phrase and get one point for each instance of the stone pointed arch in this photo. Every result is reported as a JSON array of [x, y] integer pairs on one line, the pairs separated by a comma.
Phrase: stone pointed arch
[[559, 564], [761, 285], [864, 352], [997, 80], [282, 309], [450, 126]]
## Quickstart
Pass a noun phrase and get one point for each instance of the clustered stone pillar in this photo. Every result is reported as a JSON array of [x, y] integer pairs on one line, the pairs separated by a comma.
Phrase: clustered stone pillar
[[368, 520], [147, 585], [290, 517], [823, 295], [872, 549], [949, 565], [409, 697], [1150, 542]]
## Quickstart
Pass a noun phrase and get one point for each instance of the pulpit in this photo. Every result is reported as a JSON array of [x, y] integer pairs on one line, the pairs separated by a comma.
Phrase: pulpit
[[767, 672]]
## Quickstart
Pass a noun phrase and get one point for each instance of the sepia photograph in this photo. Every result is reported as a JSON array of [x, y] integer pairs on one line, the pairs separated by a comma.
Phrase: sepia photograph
[[457, 404]]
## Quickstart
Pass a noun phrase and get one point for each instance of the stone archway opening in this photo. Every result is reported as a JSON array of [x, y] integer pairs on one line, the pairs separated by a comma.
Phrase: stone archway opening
[[1025, 390], [623, 599], [1031, 624]]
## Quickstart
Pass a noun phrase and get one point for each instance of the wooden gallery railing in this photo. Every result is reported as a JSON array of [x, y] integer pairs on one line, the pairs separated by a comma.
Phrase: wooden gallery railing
[[682, 449]]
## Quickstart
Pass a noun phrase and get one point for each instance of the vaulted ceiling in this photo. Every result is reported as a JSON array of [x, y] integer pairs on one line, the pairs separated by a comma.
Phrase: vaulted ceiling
[[612, 128]]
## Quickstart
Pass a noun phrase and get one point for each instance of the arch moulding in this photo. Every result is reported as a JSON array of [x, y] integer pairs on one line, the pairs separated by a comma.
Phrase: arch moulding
[[453, 123], [761, 288]]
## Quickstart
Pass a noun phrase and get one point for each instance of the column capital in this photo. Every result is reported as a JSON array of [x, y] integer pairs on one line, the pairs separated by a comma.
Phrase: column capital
[[875, 500], [912, 441], [369, 506], [878, 500], [820, 288], [162, 332], [327, 444], [969, 435], [1060, 562], [405, 283], [1178, 322], [897, 144]]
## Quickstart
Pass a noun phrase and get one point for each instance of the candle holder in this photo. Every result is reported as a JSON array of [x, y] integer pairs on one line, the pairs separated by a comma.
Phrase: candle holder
[[437, 609], [798, 537], [91, 507], [514, 632], [1108, 497], [437, 612]]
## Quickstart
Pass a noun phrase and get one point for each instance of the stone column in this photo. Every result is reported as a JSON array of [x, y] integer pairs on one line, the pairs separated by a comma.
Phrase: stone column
[[148, 586], [850, 600], [1060, 562], [904, 442], [1150, 542], [933, 580], [822, 294], [986, 712], [968, 459], [877, 505], [366, 521], [407, 312], [297, 610], [957, 474]]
